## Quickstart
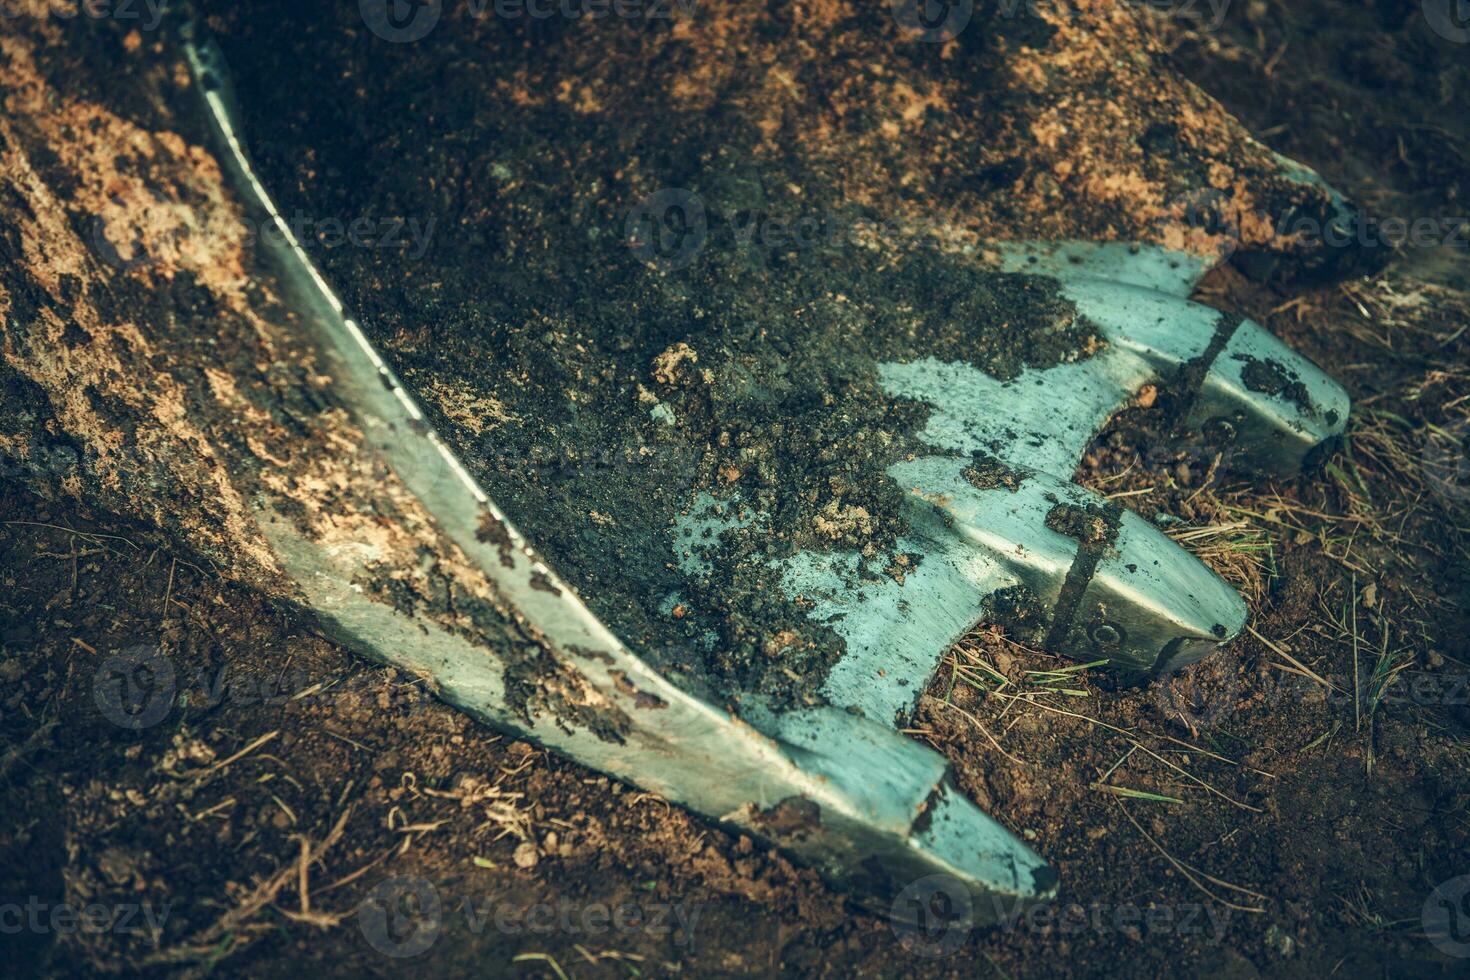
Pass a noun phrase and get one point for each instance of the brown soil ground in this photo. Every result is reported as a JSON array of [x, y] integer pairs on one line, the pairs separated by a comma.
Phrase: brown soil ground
[[1258, 822]]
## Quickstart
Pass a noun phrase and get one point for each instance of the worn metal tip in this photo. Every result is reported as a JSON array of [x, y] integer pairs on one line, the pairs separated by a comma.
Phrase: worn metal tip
[[1149, 602], [1269, 408]]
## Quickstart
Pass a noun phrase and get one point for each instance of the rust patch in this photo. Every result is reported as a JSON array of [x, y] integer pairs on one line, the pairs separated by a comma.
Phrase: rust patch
[[492, 530], [590, 654], [541, 582], [641, 699], [792, 817]]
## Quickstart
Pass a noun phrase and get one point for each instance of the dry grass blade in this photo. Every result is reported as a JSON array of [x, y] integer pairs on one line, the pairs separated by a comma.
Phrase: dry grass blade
[[1148, 752], [1136, 794], [211, 770], [1281, 652], [1239, 551], [238, 926], [1194, 875], [976, 722], [546, 958]]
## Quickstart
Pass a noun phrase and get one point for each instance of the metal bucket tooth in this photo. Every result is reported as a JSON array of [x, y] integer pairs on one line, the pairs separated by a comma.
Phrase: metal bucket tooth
[[1146, 605], [1239, 389], [887, 788], [1267, 406], [1061, 566]]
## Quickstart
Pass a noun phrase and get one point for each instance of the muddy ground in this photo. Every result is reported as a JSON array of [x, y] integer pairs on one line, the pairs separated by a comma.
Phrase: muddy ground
[[1261, 820]]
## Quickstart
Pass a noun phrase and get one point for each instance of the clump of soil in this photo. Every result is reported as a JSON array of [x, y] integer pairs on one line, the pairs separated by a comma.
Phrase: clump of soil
[[1093, 526], [985, 472], [1272, 378]]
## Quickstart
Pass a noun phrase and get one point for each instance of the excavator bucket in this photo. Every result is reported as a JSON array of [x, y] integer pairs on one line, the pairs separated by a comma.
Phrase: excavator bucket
[[752, 645]]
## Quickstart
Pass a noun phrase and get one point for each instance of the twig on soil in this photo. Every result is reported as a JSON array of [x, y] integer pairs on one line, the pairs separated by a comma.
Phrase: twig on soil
[[349, 878], [604, 954], [303, 878], [1281, 652], [18, 753], [235, 929], [73, 531], [1357, 697], [1217, 757], [211, 811], [1146, 750], [1189, 872], [168, 593], [983, 730], [343, 738], [211, 770], [1114, 767]]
